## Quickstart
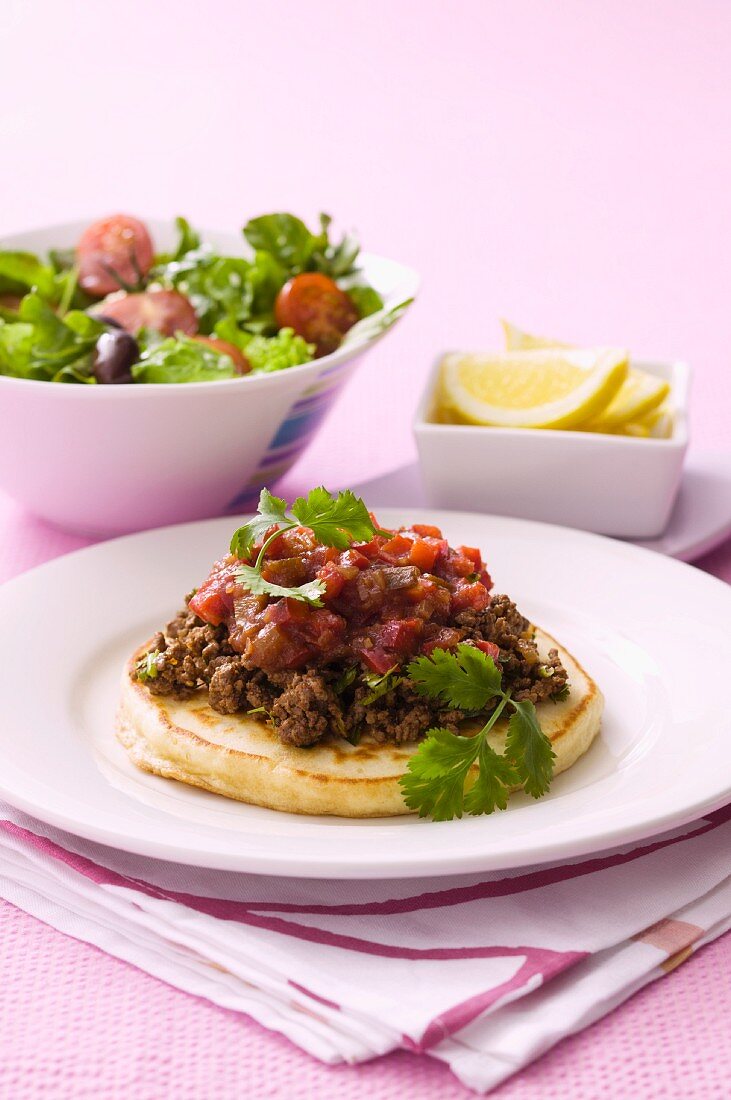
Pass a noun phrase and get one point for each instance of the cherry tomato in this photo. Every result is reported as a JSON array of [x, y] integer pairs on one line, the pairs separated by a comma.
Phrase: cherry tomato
[[113, 254], [242, 364], [165, 311], [317, 309]]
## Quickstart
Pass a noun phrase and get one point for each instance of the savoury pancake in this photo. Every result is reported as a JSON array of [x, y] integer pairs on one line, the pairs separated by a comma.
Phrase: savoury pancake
[[241, 756]]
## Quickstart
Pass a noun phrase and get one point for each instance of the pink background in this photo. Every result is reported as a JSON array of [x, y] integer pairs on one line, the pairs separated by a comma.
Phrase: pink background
[[564, 165]]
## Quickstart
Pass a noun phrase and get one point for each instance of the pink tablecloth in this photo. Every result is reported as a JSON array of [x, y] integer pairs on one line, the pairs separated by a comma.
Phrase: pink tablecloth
[[75, 1023]]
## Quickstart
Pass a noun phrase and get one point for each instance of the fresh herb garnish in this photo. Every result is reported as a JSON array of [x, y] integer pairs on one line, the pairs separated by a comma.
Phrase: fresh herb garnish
[[379, 685], [147, 666], [437, 773], [335, 521]]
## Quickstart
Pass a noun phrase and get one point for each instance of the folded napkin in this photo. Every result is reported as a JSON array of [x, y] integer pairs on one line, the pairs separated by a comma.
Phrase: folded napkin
[[484, 972]]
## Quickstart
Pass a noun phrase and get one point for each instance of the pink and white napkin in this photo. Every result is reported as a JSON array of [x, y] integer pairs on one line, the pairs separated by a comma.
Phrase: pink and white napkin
[[484, 972]]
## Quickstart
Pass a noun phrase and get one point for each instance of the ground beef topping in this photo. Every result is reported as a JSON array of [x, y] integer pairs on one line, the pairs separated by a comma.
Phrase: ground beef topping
[[305, 705]]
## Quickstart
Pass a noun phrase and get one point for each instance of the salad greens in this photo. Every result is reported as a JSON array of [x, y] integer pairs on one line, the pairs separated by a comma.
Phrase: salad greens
[[46, 347], [49, 324]]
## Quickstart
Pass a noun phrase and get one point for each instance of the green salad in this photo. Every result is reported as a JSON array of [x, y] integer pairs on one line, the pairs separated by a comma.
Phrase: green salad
[[113, 310]]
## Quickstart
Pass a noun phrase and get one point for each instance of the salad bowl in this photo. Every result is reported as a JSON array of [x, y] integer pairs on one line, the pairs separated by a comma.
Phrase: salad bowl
[[104, 460]]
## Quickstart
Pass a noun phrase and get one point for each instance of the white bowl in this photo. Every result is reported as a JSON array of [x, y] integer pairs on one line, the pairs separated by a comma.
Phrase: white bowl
[[611, 484], [103, 460]]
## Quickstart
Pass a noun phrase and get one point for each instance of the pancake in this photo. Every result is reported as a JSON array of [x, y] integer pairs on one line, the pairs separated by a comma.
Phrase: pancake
[[241, 757]]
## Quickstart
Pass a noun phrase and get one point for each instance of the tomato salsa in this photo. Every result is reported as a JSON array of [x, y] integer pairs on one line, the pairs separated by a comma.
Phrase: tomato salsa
[[384, 601]]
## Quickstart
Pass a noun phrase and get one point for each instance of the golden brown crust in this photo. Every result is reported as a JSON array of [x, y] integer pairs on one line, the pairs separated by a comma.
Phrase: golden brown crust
[[242, 758]]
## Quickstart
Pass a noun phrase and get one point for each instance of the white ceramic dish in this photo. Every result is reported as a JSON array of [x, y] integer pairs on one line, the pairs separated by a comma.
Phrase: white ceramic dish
[[102, 460], [647, 628], [611, 484], [700, 519]]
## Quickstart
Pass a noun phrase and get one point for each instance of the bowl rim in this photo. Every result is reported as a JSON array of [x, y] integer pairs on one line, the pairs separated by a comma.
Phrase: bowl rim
[[677, 371], [262, 380]]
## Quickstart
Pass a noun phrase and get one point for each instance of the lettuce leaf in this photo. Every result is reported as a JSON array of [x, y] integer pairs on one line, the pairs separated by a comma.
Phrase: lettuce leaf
[[268, 353], [40, 344], [180, 359]]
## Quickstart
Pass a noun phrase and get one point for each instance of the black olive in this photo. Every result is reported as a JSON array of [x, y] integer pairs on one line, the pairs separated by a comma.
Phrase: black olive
[[114, 356]]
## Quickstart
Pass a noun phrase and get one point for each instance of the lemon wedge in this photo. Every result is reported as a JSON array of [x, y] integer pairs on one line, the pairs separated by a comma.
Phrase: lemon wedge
[[640, 394], [657, 424], [543, 388]]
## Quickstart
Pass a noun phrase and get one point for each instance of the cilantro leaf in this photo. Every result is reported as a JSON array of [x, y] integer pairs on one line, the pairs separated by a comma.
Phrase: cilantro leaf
[[380, 685], [467, 679], [529, 750], [435, 779], [335, 521], [251, 578], [272, 511], [491, 788], [147, 666]]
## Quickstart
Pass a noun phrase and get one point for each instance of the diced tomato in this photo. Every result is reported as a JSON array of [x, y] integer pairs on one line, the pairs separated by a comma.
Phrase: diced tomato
[[376, 658], [447, 638], [473, 596], [473, 554], [423, 555], [213, 602], [400, 634], [426, 530], [489, 648], [486, 579], [354, 557], [396, 549], [287, 611], [370, 549], [324, 628], [332, 578], [460, 566]]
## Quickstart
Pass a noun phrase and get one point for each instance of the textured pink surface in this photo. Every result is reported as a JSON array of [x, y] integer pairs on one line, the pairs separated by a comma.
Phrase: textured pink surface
[[564, 165], [75, 1023]]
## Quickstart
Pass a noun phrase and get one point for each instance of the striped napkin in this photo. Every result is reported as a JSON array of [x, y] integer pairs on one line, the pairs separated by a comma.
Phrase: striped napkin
[[484, 972]]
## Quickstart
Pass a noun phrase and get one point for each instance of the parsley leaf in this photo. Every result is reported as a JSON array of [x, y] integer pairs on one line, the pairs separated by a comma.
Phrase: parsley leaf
[[272, 510], [529, 750], [441, 780], [467, 679], [251, 578]]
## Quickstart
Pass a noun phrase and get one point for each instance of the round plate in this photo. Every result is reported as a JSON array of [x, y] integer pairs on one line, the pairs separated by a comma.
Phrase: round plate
[[647, 628]]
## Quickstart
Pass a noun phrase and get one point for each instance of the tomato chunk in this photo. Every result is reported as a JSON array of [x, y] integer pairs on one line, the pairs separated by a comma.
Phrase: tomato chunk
[[489, 648], [423, 555], [113, 254], [213, 601], [317, 309]]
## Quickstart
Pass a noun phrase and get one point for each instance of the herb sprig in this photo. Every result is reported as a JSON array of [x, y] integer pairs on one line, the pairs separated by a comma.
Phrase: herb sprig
[[337, 521], [434, 784]]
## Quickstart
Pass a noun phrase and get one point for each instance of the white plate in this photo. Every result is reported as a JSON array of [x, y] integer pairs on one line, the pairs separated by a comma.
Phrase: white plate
[[651, 631], [700, 520]]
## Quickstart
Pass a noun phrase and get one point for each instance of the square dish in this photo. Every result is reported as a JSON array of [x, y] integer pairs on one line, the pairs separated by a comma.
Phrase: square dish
[[610, 484]]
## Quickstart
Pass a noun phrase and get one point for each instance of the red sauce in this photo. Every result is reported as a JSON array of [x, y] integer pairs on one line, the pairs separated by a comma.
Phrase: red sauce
[[384, 602]]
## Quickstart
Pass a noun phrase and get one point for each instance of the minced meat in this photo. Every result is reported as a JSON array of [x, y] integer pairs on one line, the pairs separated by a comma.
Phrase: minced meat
[[304, 705]]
